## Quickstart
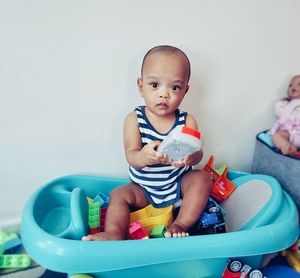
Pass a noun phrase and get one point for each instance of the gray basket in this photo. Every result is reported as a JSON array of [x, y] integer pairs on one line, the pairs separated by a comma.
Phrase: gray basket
[[268, 160]]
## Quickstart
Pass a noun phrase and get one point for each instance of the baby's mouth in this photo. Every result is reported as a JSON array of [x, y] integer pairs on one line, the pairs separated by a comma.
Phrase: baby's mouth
[[162, 105]]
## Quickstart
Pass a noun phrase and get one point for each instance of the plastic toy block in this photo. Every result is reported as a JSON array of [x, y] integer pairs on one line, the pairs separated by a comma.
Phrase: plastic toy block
[[180, 143], [94, 215], [158, 231], [102, 218], [103, 212], [151, 216], [221, 170], [90, 200], [95, 230], [136, 231], [222, 187], [103, 200], [9, 240], [14, 261]]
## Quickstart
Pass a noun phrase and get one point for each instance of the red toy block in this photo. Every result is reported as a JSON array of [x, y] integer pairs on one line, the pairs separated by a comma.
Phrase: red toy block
[[95, 231], [102, 218], [136, 231]]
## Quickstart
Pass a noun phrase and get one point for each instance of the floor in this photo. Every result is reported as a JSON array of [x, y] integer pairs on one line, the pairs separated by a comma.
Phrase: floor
[[34, 272]]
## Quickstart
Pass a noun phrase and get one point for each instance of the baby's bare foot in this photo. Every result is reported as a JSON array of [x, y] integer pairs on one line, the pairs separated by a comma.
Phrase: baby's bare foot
[[288, 149], [103, 236], [176, 230]]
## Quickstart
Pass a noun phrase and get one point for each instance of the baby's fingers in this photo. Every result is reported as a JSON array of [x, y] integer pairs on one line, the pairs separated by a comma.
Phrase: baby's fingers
[[164, 159], [154, 145], [178, 163]]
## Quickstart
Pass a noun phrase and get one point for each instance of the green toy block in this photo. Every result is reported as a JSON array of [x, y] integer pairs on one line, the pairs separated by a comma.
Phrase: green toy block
[[221, 170], [94, 215], [14, 261], [7, 236], [158, 231]]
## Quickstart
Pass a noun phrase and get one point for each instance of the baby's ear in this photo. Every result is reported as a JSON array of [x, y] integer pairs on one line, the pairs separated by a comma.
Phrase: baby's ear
[[187, 88], [140, 85]]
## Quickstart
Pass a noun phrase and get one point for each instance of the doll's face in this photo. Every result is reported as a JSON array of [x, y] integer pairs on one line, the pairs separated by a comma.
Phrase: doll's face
[[294, 88]]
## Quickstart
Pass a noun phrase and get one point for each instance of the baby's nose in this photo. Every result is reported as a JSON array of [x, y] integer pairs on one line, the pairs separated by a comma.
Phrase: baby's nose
[[164, 92]]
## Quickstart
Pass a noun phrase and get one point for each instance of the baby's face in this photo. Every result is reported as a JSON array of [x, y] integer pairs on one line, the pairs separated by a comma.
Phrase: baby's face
[[294, 88], [164, 82]]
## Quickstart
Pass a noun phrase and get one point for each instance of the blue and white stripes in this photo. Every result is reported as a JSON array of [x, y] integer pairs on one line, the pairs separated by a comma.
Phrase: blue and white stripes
[[160, 182]]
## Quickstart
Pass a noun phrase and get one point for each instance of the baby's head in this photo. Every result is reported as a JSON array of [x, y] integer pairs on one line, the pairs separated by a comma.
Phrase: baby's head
[[294, 88], [174, 54], [164, 79]]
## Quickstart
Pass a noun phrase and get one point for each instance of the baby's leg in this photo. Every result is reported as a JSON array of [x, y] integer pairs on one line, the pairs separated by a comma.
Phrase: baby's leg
[[281, 140], [195, 187], [117, 216]]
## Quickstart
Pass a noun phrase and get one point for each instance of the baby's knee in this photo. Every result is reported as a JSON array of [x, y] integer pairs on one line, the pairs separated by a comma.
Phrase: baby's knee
[[204, 178], [200, 181], [121, 194], [118, 193]]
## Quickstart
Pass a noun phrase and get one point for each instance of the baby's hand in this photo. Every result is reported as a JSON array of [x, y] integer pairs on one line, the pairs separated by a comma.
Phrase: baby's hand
[[190, 160], [153, 156]]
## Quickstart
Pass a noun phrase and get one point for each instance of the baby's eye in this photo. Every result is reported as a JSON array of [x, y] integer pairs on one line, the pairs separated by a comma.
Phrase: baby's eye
[[175, 88], [154, 85]]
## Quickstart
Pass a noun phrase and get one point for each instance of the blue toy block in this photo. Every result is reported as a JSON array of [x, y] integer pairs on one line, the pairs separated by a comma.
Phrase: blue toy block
[[9, 240], [103, 200]]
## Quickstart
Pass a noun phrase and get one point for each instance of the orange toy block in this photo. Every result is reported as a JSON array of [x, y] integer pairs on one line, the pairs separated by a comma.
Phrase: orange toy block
[[222, 186]]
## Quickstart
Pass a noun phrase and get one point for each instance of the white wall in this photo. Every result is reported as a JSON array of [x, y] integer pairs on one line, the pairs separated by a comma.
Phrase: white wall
[[68, 74]]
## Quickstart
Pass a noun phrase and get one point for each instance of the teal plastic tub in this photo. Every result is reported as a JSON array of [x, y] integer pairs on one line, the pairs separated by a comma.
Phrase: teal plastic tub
[[260, 219]]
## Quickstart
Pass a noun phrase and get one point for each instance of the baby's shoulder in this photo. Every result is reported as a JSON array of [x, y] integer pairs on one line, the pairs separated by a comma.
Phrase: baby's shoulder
[[190, 116], [131, 117], [191, 121]]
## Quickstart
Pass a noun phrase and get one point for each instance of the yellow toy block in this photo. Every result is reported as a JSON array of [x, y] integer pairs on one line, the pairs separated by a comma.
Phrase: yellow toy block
[[151, 216]]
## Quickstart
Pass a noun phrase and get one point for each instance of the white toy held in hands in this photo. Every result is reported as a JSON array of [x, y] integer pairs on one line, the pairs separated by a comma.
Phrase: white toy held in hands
[[180, 143]]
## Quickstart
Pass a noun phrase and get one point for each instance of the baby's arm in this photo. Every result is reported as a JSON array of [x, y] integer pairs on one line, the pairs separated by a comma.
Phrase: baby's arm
[[137, 156], [195, 157]]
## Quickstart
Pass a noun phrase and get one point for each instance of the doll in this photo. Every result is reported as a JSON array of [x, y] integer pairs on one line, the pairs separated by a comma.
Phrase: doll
[[286, 131]]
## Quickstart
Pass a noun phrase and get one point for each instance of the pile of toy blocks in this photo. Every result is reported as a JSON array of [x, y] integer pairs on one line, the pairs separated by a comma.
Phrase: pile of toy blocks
[[97, 212], [136, 231]]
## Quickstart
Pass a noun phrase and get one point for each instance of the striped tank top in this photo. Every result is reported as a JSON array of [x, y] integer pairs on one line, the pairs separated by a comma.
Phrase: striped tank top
[[160, 182]]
